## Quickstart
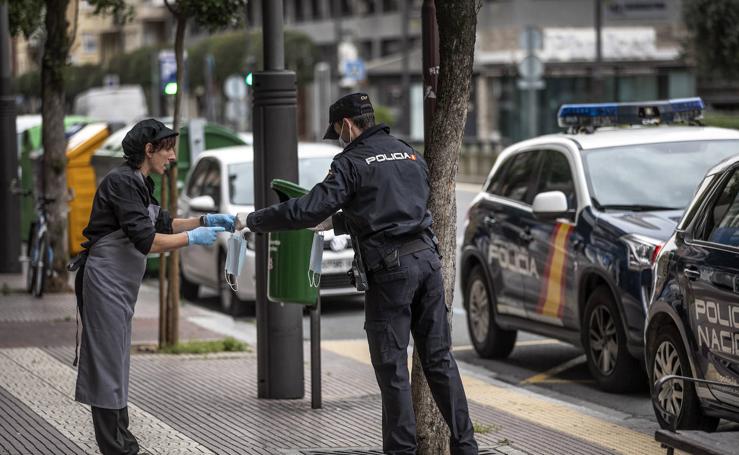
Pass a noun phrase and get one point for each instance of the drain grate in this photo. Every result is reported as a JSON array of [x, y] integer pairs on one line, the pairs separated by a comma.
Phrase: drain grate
[[482, 451]]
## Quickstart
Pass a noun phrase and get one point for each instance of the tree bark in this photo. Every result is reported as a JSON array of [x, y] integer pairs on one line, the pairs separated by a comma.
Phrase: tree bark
[[173, 268], [457, 22], [54, 164]]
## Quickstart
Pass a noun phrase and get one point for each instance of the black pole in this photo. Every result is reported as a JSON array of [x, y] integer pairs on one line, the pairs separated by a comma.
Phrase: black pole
[[279, 326], [597, 74], [316, 400], [10, 233], [430, 34]]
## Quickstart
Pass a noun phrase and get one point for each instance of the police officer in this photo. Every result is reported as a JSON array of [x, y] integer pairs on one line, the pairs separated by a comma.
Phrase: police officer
[[126, 224], [382, 187]]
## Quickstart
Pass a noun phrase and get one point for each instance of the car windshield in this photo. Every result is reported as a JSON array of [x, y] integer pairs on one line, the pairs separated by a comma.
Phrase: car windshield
[[660, 176], [241, 177]]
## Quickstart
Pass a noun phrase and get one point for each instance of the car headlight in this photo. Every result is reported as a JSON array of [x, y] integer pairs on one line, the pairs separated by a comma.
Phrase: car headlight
[[642, 251]]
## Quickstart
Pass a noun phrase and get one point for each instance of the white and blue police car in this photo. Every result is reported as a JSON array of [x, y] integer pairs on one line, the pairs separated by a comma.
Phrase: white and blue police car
[[562, 238]]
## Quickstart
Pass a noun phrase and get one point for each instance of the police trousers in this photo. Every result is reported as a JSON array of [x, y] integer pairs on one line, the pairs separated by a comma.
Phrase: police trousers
[[400, 301]]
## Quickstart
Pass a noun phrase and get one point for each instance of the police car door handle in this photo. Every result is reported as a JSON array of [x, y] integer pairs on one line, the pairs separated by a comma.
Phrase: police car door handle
[[525, 235], [692, 272]]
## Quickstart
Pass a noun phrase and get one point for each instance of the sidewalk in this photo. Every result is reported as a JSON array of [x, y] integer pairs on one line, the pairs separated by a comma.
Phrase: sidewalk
[[206, 404]]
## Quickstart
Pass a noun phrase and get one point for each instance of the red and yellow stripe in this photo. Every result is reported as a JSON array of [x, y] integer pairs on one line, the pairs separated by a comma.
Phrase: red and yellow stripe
[[552, 298]]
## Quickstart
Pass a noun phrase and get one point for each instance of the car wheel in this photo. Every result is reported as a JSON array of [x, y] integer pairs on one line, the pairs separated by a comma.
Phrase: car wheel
[[230, 302], [189, 289], [666, 356], [604, 340], [490, 341]]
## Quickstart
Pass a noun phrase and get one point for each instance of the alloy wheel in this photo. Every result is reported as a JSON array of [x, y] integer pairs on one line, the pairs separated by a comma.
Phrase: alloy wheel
[[603, 340], [479, 310], [667, 362]]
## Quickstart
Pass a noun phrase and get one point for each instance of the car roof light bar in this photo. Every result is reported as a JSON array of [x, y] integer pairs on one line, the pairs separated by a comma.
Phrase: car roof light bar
[[588, 117]]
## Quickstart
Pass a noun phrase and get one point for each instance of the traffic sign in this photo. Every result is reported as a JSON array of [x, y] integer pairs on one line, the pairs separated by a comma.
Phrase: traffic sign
[[355, 70], [234, 87], [167, 70], [525, 84], [531, 68]]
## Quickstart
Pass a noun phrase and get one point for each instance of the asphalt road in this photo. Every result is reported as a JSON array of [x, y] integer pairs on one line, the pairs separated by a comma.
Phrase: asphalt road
[[541, 364]]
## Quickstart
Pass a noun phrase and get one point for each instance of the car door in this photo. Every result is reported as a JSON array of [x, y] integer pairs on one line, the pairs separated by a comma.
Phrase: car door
[[202, 258], [193, 189], [506, 202], [711, 274], [548, 280]]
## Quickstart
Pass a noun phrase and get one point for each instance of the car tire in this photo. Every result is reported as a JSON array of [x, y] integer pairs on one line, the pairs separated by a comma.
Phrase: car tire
[[489, 340], [189, 289], [666, 355], [229, 300], [604, 341]]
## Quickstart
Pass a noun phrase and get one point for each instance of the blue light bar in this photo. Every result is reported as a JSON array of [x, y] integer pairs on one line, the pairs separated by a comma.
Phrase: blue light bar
[[589, 116]]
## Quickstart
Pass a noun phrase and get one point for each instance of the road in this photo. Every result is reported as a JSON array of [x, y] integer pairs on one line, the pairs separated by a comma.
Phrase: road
[[542, 365]]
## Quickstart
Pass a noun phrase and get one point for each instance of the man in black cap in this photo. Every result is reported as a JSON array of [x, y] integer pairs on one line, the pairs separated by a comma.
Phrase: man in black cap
[[126, 224], [381, 185]]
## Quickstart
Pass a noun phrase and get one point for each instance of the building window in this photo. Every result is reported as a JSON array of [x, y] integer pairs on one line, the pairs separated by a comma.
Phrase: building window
[[391, 46], [389, 6], [89, 43]]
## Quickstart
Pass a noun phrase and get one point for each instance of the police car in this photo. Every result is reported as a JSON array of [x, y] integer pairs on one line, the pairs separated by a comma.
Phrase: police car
[[562, 239], [693, 325]]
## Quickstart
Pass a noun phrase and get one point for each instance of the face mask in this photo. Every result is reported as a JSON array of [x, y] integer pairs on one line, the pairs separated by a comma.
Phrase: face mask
[[236, 248], [316, 258], [342, 142]]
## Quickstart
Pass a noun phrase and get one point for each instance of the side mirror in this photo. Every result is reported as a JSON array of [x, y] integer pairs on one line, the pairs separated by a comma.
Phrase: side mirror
[[203, 204], [550, 205]]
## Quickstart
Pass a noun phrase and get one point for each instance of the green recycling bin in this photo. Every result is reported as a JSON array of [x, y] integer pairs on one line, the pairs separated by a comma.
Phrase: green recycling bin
[[289, 257]]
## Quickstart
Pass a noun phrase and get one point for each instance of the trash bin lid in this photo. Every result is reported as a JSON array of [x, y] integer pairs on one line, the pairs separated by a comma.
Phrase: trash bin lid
[[288, 188]]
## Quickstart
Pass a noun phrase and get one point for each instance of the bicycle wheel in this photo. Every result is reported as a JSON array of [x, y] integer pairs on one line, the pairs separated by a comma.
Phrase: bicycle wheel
[[42, 267], [31, 256]]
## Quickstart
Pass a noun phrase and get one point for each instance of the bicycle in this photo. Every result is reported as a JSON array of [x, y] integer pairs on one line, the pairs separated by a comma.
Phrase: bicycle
[[39, 253]]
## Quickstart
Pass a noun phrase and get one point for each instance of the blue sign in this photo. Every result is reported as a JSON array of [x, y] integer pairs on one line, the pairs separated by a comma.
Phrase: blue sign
[[355, 70], [167, 70]]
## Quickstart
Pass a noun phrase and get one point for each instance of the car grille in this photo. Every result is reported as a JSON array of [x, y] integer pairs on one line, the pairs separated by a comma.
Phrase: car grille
[[335, 281]]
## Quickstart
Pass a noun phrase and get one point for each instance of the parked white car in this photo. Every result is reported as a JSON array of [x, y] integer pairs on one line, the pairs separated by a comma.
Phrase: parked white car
[[222, 180]]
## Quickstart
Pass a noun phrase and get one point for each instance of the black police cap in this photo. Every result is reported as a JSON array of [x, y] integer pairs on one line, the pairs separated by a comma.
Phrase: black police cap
[[142, 133], [351, 105]]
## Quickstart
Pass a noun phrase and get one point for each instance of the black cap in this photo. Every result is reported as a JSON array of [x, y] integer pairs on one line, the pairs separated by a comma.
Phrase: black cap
[[351, 105], [142, 133]]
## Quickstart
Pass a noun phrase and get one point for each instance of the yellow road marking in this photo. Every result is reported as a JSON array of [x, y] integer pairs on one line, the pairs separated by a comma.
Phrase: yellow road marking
[[558, 416], [547, 375]]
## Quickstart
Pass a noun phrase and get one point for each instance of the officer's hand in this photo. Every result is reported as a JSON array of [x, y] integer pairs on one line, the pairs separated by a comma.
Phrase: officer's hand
[[324, 225], [221, 220], [203, 235]]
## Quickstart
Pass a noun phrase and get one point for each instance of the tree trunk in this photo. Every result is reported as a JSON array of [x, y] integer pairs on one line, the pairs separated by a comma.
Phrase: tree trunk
[[54, 177], [457, 21], [173, 268]]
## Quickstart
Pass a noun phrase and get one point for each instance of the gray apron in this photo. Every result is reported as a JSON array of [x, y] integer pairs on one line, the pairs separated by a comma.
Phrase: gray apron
[[112, 277]]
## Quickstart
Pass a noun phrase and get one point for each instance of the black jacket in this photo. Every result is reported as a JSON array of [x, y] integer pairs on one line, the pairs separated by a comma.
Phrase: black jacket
[[379, 182]]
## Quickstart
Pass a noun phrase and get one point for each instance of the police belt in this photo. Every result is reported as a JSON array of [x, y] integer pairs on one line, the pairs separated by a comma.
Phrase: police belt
[[414, 246]]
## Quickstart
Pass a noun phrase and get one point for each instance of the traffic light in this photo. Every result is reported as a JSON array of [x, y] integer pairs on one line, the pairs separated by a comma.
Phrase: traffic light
[[249, 79], [170, 88]]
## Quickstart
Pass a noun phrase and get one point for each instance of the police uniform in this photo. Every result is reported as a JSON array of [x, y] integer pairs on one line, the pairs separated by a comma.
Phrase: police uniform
[[381, 185]]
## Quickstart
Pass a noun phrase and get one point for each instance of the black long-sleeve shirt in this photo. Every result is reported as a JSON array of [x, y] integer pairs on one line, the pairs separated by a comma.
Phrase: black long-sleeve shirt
[[122, 202]]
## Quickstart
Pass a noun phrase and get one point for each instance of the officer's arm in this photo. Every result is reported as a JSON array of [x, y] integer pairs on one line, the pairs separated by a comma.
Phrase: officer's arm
[[307, 211]]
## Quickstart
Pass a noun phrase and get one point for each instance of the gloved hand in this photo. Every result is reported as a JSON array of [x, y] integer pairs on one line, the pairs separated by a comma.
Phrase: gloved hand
[[203, 235], [220, 219]]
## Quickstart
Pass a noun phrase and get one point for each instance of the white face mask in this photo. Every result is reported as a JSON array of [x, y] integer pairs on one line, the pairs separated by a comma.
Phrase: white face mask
[[234, 258], [342, 142], [316, 260]]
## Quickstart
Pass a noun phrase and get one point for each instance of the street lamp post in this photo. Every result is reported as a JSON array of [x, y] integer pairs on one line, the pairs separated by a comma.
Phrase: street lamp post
[[10, 238], [279, 326]]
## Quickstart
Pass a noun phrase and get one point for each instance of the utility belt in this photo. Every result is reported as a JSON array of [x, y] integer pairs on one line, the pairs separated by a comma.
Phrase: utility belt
[[388, 258]]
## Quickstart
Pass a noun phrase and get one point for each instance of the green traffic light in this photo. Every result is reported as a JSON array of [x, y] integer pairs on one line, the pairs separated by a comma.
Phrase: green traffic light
[[170, 88], [249, 79]]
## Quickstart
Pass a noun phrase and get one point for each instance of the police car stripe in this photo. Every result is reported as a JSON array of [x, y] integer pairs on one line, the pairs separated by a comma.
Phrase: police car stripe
[[551, 302]]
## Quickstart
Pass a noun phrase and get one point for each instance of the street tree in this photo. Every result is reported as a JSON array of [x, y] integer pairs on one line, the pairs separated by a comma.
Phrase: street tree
[[457, 23], [211, 15], [713, 36], [56, 20]]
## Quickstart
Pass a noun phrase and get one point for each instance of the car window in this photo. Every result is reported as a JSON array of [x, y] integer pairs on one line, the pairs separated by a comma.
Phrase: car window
[[212, 182], [557, 176], [722, 224], [195, 185], [516, 177]]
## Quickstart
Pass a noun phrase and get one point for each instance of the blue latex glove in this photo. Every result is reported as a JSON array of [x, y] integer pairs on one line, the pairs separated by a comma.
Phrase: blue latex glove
[[220, 219], [203, 235]]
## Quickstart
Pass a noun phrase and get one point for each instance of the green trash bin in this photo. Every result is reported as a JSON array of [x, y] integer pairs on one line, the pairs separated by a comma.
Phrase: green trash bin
[[289, 257]]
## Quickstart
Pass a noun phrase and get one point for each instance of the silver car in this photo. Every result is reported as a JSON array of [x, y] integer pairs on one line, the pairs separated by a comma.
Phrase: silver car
[[222, 180]]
